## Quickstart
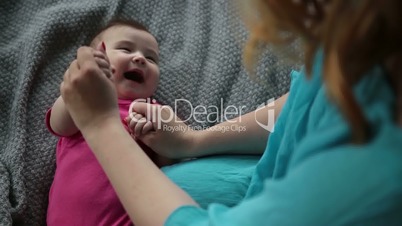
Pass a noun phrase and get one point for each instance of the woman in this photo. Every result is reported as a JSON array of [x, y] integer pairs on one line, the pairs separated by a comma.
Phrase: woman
[[335, 155]]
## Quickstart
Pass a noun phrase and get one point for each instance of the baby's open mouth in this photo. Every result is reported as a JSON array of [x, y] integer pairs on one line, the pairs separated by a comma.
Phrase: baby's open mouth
[[135, 75]]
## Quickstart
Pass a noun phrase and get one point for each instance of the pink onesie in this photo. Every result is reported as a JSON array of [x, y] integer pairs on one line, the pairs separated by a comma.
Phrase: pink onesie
[[81, 194]]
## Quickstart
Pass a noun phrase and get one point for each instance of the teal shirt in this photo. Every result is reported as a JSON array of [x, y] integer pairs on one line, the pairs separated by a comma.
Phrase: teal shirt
[[310, 173]]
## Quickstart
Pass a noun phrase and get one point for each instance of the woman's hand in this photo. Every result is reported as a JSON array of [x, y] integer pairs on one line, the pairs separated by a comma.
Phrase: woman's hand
[[159, 128], [87, 91]]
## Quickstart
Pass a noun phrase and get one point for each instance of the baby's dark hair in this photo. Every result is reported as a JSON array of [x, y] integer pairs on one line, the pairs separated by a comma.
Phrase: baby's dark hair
[[118, 22]]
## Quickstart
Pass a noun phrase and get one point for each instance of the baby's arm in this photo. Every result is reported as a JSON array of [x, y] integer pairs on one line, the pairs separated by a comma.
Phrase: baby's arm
[[60, 120]]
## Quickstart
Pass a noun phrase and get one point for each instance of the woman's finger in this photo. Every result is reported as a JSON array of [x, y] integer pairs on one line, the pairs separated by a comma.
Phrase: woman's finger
[[132, 120], [132, 115], [107, 72], [140, 125], [62, 87], [148, 127], [86, 61], [102, 63], [105, 66], [101, 55], [73, 66], [66, 75], [100, 51]]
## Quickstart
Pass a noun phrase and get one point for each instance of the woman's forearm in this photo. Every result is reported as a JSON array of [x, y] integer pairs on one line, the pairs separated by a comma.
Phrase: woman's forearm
[[247, 134], [147, 194]]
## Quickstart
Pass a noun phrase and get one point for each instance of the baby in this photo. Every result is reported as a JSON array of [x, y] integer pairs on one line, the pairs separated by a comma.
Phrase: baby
[[81, 194]]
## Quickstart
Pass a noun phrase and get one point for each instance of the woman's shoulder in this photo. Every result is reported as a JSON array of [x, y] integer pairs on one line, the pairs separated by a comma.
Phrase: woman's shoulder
[[328, 130]]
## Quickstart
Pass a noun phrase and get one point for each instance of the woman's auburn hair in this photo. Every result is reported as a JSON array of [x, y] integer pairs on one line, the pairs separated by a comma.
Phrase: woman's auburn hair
[[355, 35]]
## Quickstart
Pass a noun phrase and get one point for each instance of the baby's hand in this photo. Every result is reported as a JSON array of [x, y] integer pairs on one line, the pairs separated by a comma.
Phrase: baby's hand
[[138, 124], [102, 60]]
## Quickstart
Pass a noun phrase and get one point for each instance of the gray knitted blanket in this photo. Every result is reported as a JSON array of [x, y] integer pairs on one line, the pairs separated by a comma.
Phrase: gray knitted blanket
[[200, 42]]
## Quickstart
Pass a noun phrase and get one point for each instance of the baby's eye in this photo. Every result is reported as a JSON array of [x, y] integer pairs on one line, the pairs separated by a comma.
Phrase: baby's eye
[[127, 50], [151, 59]]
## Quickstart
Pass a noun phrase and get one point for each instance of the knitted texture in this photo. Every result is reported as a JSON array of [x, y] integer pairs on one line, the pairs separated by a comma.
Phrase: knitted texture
[[200, 51]]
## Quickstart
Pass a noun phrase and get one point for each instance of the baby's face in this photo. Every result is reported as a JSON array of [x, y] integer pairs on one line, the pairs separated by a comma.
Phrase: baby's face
[[134, 58]]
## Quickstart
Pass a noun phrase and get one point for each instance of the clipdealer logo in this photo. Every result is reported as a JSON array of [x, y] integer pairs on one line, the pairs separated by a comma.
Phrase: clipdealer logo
[[269, 125], [210, 114]]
